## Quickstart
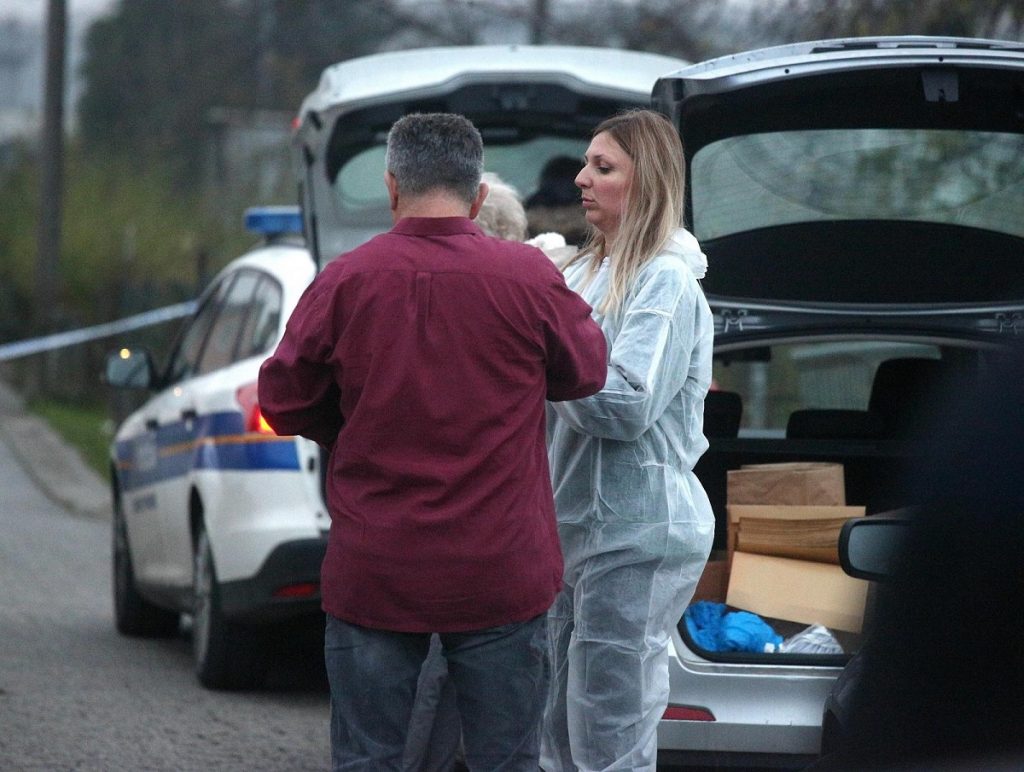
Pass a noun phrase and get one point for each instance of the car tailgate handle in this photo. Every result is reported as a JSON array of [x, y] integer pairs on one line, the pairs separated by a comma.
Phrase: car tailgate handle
[[189, 414], [152, 424]]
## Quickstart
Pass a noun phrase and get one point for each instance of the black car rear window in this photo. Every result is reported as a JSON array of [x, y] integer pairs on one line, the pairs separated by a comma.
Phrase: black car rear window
[[967, 178], [876, 216]]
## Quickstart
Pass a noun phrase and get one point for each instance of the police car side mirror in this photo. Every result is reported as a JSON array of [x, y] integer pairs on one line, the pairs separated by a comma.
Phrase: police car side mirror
[[869, 547], [130, 369]]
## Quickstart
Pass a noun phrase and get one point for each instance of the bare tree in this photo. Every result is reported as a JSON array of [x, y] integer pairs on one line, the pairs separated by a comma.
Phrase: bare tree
[[791, 20]]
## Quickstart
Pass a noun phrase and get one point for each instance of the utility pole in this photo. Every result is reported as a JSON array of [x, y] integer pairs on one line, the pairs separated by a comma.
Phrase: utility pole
[[539, 22], [51, 169], [51, 176]]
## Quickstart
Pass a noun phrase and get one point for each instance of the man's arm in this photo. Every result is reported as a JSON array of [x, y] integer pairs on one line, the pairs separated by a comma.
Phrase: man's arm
[[298, 390], [648, 364], [577, 352]]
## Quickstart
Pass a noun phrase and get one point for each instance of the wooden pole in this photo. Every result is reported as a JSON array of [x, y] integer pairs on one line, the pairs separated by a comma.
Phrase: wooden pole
[[51, 173], [51, 167]]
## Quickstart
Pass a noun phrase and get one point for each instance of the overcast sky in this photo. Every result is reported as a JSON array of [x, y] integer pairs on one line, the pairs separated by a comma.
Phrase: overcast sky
[[35, 10]]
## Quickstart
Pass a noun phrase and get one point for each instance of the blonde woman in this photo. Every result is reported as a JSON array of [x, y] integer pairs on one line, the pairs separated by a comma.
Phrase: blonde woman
[[635, 524]]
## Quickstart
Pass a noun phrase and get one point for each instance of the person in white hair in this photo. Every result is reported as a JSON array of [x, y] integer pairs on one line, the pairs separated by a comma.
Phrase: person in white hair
[[503, 216]]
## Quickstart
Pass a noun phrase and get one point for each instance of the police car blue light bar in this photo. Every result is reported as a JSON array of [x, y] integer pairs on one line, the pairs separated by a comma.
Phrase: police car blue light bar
[[273, 220]]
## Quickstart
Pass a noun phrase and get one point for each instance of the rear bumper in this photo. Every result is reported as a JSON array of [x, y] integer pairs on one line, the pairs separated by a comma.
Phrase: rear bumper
[[258, 599], [765, 714], [729, 760]]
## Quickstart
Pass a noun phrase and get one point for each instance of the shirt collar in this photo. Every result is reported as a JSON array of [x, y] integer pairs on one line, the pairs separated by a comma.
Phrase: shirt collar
[[435, 226], [683, 244]]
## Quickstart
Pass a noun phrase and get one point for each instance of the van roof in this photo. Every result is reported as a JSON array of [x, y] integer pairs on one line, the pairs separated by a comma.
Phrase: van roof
[[370, 78]]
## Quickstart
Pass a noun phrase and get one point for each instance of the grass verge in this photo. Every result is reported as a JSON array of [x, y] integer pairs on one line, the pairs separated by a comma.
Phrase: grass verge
[[83, 427]]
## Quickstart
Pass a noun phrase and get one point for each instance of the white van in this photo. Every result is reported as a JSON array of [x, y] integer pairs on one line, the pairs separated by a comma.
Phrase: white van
[[531, 103]]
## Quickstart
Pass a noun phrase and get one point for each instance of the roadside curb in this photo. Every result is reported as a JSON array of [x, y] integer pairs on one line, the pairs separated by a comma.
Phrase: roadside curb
[[53, 465]]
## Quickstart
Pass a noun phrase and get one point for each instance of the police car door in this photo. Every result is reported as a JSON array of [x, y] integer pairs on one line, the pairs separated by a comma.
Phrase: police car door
[[173, 428], [213, 422]]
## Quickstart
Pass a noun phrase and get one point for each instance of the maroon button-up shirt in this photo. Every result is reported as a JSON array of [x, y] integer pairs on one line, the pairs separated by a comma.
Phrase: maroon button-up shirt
[[423, 359]]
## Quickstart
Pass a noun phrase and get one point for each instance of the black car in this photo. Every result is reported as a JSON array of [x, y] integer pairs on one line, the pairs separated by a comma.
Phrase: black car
[[860, 202]]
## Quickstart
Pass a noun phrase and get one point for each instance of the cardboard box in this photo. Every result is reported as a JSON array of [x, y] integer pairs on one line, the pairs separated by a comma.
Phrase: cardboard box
[[805, 512], [816, 539], [797, 590], [738, 512], [714, 582], [800, 484]]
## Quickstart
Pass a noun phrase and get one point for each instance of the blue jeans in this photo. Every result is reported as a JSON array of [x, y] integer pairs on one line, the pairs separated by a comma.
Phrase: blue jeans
[[500, 676], [435, 732]]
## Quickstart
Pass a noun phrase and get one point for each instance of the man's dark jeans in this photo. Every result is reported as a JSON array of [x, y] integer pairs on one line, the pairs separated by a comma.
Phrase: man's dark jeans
[[500, 676]]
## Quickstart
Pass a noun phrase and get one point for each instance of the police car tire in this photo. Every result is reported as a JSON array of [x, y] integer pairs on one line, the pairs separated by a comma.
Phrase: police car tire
[[227, 655], [133, 614]]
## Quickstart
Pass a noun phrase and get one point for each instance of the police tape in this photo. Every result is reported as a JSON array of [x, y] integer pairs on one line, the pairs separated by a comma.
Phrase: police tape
[[57, 340]]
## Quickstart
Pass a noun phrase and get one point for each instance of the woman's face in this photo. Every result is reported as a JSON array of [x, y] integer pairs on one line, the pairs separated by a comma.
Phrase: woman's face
[[604, 182]]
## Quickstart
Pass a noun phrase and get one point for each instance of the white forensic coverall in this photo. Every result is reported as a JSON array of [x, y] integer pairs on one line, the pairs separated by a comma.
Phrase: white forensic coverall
[[635, 523]]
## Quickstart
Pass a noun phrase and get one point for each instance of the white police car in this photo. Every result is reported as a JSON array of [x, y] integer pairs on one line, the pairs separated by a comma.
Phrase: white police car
[[215, 516]]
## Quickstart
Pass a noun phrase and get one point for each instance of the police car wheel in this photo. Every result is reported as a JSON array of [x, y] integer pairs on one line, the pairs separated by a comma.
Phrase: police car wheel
[[227, 655], [133, 614]]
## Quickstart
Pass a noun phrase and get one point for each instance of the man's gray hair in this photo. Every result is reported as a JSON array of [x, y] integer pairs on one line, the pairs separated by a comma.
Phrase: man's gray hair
[[431, 151]]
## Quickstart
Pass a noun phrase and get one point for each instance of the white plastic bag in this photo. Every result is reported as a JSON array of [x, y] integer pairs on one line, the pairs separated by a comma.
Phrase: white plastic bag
[[816, 639]]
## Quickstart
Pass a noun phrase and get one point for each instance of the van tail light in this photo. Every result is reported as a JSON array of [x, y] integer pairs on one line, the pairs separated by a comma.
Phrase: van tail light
[[298, 590], [251, 413], [687, 713]]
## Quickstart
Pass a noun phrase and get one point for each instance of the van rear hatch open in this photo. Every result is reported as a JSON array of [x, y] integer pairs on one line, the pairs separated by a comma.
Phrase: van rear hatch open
[[531, 104]]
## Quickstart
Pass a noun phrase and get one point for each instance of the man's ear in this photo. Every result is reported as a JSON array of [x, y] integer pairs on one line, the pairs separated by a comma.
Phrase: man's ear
[[481, 196], [392, 186]]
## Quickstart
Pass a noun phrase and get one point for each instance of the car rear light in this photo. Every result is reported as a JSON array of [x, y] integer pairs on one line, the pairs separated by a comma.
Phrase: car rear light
[[298, 590], [687, 713], [251, 413]]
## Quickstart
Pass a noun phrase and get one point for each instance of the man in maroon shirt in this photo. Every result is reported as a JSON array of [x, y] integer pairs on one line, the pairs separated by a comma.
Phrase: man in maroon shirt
[[422, 360]]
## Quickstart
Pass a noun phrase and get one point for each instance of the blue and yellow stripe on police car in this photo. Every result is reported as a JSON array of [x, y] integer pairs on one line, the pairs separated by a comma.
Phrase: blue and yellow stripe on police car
[[210, 442]]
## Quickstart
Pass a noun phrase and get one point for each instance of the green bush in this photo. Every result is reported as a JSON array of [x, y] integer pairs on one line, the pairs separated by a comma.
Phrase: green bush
[[131, 240]]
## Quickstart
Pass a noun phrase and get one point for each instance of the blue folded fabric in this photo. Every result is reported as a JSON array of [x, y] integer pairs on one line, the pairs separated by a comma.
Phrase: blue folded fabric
[[704, 623], [712, 628], [743, 631]]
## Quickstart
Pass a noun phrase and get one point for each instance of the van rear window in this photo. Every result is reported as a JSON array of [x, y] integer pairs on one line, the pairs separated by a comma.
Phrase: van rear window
[[359, 185]]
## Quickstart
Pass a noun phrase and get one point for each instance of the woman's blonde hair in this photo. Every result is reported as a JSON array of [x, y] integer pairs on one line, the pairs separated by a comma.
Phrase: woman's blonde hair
[[653, 207]]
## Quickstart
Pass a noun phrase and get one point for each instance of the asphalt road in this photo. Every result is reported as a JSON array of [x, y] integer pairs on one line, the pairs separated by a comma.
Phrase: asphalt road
[[76, 695]]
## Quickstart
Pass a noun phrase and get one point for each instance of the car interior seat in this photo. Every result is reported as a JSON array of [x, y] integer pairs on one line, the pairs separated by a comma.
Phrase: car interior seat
[[723, 411], [904, 392], [822, 424]]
